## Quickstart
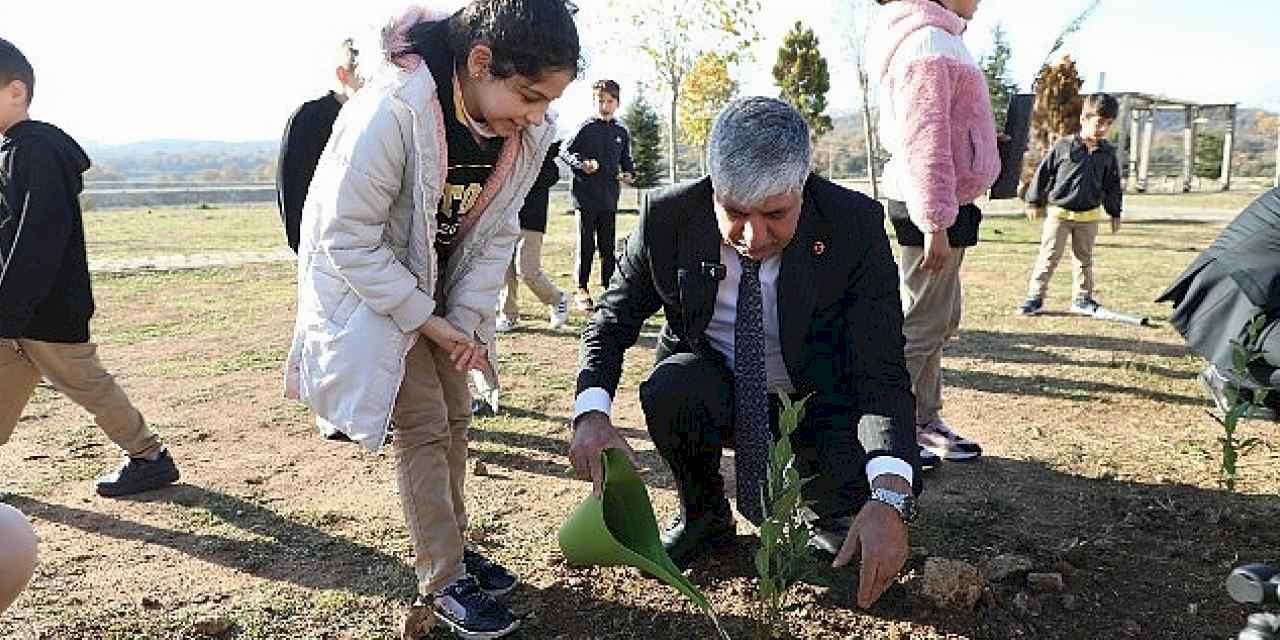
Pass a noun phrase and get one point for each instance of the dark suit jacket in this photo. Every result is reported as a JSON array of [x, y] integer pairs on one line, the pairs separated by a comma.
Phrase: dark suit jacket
[[1230, 283], [839, 305]]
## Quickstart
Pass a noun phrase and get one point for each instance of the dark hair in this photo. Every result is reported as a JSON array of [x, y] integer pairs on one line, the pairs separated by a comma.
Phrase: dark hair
[[14, 66], [607, 86], [1103, 104], [528, 37]]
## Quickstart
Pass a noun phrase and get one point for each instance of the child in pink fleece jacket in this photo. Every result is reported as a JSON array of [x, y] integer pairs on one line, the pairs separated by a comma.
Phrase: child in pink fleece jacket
[[937, 124]]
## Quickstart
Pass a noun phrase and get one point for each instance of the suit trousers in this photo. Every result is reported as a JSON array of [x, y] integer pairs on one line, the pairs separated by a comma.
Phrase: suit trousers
[[431, 415], [73, 369], [596, 231], [526, 267], [932, 303], [688, 407]]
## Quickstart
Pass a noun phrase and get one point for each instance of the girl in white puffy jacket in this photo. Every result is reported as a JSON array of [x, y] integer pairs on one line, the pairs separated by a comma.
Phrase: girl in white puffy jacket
[[408, 227]]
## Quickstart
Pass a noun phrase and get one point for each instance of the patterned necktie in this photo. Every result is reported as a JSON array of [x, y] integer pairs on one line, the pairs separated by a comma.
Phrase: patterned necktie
[[751, 438]]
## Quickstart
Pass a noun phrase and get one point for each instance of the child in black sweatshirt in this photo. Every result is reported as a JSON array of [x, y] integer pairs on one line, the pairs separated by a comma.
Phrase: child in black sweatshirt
[[45, 297], [600, 155], [1081, 178]]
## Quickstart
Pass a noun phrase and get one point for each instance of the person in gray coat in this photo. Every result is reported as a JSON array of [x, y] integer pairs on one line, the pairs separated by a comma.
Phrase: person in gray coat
[[1219, 296]]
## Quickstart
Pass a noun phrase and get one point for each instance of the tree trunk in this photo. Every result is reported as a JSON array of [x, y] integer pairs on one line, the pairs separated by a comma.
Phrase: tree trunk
[[673, 129], [868, 132]]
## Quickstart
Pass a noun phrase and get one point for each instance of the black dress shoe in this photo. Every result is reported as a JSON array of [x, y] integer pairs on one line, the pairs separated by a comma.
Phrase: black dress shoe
[[688, 537]]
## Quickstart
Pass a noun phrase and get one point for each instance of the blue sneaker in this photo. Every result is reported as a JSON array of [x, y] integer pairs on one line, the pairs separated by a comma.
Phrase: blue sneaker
[[1031, 306], [1084, 306], [471, 613], [494, 578]]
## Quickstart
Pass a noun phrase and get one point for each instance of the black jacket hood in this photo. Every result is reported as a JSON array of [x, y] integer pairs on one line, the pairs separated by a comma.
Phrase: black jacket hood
[[69, 151]]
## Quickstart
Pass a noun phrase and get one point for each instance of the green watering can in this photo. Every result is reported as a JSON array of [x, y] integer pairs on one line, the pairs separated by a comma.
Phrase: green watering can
[[620, 529]]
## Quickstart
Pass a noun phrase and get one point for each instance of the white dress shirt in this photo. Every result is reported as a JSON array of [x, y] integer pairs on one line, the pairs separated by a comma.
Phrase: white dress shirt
[[720, 333]]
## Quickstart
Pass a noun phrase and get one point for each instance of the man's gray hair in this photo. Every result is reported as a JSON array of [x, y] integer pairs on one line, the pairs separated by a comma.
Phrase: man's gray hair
[[758, 148]]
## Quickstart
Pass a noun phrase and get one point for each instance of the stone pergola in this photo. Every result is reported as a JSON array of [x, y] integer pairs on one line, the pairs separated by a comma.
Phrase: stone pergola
[[1136, 125]]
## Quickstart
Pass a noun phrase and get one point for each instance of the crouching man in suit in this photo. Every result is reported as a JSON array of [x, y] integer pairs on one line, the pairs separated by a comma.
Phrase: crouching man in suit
[[773, 280]]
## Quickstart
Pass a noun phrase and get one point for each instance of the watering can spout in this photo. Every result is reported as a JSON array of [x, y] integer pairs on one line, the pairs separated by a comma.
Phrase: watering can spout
[[618, 528]]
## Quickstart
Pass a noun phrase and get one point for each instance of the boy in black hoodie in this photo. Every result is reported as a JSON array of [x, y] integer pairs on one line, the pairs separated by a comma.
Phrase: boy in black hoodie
[[600, 154], [45, 297]]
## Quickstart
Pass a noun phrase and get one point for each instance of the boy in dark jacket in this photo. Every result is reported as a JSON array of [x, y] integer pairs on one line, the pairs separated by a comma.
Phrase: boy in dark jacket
[[45, 297], [1080, 177], [600, 155], [305, 136]]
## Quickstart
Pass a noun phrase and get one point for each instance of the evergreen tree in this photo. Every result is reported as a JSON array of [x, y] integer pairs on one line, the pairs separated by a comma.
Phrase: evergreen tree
[[1208, 160], [644, 125], [801, 73], [995, 66]]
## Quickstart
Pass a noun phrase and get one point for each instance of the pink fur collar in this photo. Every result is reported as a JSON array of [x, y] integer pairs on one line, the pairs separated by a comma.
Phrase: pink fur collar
[[395, 35]]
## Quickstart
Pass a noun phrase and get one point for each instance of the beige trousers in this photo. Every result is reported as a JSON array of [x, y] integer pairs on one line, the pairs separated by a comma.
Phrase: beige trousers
[[75, 372], [527, 267], [431, 416], [931, 305], [1053, 241]]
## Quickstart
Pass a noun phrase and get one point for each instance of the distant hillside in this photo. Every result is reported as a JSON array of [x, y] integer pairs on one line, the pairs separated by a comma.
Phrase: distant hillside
[[184, 161], [841, 150]]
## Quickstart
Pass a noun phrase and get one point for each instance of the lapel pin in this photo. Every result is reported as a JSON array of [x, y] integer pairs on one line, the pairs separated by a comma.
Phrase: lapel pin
[[819, 248]]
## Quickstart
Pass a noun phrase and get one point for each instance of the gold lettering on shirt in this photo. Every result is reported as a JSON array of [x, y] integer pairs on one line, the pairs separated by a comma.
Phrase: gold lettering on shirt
[[464, 197]]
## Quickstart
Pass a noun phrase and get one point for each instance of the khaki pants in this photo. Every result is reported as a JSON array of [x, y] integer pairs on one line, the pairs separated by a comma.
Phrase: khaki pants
[[431, 416], [75, 372], [1053, 241], [527, 267], [931, 305]]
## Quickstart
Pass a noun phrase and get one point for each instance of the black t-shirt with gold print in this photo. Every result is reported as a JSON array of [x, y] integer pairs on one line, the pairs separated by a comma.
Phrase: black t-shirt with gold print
[[471, 159]]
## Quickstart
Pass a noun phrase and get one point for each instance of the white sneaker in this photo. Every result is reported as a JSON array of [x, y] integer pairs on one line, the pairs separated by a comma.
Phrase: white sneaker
[[504, 324], [937, 437], [560, 311]]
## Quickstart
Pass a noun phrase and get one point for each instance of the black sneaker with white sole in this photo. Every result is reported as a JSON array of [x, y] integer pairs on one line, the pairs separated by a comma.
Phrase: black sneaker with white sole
[[136, 475], [471, 613], [494, 578]]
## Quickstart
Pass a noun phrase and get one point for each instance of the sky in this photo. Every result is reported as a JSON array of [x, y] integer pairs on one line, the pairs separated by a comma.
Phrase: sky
[[124, 71]]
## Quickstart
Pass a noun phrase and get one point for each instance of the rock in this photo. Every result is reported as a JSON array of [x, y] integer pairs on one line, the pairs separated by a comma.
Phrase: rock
[[1046, 582], [1065, 568], [151, 603], [478, 468], [952, 584], [211, 626], [989, 598], [1070, 602], [1003, 566], [418, 623], [1025, 605]]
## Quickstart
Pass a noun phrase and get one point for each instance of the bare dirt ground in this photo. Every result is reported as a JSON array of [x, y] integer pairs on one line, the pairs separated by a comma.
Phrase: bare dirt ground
[[1101, 465]]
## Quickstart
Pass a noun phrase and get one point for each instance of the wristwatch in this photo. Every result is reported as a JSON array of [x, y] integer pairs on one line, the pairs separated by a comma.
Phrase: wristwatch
[[903, 503]]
